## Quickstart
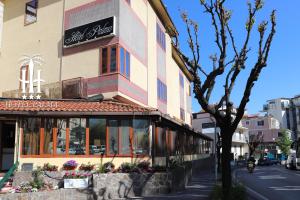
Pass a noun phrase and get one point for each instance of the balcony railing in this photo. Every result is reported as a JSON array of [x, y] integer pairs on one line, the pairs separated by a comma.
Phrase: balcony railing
[[238, 138]]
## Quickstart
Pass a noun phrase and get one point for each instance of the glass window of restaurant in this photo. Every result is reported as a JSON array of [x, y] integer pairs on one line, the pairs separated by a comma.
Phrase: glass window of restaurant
[[61, 136], [31, 136], [49, 125], [141, 136], [97, 137], [77, 138]]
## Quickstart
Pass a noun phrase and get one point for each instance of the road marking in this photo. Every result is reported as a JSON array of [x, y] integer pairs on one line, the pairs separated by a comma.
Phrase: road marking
[[285, 188], [256, 194], [269, 177]]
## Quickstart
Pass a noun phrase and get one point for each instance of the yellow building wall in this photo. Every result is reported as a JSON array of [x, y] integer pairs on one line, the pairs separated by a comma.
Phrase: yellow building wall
[[42, 37], [45, 37], [75, 3], [117, 161], [84, 64], [140, 8], [152, 68], [138, 73]]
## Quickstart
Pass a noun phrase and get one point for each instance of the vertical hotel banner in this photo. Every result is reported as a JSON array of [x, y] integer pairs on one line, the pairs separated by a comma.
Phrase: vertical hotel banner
[[90, 32]]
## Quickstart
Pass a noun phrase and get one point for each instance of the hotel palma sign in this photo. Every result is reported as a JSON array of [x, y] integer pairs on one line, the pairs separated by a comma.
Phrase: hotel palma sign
[[90, 32]]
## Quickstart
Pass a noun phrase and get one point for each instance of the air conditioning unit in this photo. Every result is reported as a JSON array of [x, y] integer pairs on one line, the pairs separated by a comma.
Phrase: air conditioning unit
[[75, 88]]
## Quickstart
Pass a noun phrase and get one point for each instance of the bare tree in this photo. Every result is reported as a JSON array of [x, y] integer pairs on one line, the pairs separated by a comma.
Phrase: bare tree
[[204, 82], [253, 142]]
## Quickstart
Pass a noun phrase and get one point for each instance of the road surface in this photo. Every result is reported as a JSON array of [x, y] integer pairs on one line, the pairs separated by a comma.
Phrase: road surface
[[271, 183]]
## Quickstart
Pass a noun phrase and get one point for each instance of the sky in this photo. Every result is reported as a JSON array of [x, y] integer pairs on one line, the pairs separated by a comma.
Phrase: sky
[[279, 79]]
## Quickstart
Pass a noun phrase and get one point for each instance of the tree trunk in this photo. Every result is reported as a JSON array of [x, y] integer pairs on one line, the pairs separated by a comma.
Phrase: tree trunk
[[226, 158]]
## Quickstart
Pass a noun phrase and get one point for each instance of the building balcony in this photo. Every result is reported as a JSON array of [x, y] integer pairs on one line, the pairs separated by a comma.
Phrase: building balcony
[[239, 138]]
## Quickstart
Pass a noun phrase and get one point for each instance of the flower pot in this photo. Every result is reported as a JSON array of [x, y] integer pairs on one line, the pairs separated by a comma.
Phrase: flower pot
[[68, 168], [78, 183]]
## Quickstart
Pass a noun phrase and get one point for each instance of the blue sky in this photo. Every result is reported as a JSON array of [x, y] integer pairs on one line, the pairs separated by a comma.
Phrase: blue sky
[[280, 78]]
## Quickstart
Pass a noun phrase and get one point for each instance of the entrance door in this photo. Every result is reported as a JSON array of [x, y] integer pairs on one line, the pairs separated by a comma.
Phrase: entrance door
[[7, 145]]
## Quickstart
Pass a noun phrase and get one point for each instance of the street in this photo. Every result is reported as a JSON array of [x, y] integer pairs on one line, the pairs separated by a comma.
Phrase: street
[[271, 182]]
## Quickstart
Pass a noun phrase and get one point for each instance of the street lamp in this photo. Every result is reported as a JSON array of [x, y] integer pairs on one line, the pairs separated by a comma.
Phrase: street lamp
[[215, 148]]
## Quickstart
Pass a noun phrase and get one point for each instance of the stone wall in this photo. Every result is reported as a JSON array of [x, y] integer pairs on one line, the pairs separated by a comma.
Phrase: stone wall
[[117, 185], [120, 185]]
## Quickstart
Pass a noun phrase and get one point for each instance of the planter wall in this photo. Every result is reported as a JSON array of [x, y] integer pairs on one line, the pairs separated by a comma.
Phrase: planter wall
[[120, 185]]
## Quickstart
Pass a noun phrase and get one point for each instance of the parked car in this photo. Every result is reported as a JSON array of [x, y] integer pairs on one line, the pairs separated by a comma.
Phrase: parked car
[[264, 161], [275, 161]]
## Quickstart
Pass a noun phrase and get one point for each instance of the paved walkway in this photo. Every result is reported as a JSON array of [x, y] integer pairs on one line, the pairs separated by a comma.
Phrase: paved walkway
[[199, 188]]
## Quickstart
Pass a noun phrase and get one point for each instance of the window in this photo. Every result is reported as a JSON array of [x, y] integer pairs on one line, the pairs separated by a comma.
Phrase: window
[[97, 137], [182, 114], [247, 122], [31, 136], [181, 80], [77, 144], [161, 91], [113, 59], [109, 62], [113, 137], [141, 136], [125, 141], [261, 123], [208, 125], [49, 125], [160, 142], [172, 142], [124, 62], [61, 136], [104, 55], [160, 37], [119, 141], [31, 12]]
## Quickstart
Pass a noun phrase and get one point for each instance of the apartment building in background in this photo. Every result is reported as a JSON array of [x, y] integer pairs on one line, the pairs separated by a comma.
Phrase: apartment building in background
[[266, 127], [203, 122], [287, 112], [111, 82]]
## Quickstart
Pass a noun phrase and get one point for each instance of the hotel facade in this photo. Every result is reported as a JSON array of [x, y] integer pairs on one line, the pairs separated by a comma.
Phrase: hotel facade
[[91, 79]]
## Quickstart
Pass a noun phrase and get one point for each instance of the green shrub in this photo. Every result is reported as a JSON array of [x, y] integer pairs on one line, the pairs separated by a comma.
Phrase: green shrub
[[144, 165], [238, 192], [38, 181], [127, 167], [106, 167]]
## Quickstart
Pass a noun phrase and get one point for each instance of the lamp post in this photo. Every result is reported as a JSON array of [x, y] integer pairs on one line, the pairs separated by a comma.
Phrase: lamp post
[[215, 148], [216, 153]]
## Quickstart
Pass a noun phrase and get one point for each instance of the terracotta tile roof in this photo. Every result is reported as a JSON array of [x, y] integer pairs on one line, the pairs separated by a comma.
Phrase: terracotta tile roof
[[68, 106]]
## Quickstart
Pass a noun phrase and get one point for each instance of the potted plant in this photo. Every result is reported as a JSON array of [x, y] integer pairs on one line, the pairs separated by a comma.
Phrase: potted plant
[[86, 167], [70, 165], [76, 180], [49, 167]]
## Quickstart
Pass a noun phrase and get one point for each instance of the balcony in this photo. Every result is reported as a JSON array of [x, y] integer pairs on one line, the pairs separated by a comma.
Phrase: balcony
[[239, 138]]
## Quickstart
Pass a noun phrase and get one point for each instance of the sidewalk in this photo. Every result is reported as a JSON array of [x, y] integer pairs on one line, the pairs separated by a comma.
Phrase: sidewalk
[[199, 188]]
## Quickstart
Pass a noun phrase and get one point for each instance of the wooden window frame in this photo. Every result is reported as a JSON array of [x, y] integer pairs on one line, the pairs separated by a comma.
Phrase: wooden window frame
[[67, 147], [108, 59]]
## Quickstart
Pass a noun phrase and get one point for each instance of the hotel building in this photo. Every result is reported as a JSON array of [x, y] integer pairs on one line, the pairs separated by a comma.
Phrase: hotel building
[[90, 79]]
